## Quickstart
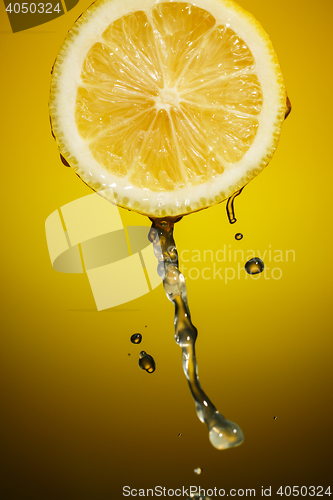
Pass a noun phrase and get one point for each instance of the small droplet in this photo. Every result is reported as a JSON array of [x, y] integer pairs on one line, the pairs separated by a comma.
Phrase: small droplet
[[275, 418], [179, 435], [254, 266], [198, 470], [238, 236], [146, 362], [136, 338], [129, 354]]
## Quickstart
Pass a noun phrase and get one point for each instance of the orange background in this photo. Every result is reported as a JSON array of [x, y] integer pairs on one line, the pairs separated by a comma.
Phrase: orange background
[[79, 419]]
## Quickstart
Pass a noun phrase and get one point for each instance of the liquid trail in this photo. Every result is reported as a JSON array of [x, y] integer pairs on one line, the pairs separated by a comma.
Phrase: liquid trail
[[230, 206], [222, 433]]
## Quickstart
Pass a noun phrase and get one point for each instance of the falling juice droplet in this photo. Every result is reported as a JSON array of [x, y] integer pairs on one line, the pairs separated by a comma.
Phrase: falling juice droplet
[[136, 338], [238, 236], [197, 470], [223, 433], [275, 418], [254, 266], [146, 362], [179, 435], [230, 206]]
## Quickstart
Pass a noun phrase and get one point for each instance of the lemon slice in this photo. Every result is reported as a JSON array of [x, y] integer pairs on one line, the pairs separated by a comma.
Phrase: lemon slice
[[171, 106]]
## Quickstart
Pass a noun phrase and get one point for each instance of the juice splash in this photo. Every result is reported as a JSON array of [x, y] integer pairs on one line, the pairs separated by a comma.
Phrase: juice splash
[[223, 433]]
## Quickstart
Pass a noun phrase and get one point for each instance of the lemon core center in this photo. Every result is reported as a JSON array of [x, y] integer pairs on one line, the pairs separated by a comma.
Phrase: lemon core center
[[167, 97]]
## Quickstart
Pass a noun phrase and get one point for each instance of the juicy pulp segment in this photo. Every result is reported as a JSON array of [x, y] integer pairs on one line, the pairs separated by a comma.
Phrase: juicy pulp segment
[[170, 99]]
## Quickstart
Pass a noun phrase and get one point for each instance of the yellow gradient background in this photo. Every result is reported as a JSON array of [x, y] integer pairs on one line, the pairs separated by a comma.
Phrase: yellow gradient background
[[79, 419]]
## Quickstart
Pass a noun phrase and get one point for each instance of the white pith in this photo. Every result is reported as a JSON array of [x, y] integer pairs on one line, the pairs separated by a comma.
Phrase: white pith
[[75, 148]]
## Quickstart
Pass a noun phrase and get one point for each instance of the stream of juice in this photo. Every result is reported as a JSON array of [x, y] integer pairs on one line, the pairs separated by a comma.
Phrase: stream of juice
[[223, 433]]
